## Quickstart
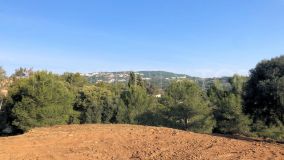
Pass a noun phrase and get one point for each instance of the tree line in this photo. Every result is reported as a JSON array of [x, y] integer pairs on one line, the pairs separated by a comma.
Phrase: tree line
[[249, 106]]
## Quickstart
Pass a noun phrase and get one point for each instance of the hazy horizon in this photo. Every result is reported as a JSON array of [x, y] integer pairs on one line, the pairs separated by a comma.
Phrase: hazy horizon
[[198, 38]]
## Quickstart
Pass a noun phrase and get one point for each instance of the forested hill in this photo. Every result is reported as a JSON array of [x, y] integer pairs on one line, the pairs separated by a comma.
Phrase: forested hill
[[160, 79]]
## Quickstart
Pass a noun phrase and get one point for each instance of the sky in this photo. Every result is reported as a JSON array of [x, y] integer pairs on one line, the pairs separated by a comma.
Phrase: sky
[[205, 38]]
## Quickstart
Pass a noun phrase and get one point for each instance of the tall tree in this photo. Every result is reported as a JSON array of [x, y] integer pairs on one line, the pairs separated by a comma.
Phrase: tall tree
[[237, 83], [264, 92], [135, 80], [136, 101], [40, 100], [228, 106], [96, 104], [189, 107], [135, 98], [132, 79]]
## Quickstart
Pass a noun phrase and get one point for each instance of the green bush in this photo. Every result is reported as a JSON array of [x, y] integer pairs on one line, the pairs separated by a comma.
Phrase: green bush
[[40, 100], [228, 106], [264, 131], [264, 92]]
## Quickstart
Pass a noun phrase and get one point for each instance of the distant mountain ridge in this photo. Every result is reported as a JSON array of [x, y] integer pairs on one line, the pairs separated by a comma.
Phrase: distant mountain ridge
[[159, 78]]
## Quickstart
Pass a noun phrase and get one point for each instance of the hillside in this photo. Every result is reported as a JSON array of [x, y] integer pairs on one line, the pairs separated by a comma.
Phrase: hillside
[[88, 142], [161, 79]]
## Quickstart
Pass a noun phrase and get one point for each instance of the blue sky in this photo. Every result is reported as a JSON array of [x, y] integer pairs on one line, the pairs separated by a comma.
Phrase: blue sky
[[198, 37]]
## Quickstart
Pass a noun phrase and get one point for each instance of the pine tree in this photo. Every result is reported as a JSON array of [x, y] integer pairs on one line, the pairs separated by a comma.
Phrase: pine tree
[[189, 108], [228, 106], [40, 100]]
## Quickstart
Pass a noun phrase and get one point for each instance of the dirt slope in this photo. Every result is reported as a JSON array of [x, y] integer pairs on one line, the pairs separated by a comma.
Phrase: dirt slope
[[88, 142]]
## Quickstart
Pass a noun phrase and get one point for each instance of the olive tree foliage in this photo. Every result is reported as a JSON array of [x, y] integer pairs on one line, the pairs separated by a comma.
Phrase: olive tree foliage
[[228, 106], [188, 107], [264, 92], [40, 100]]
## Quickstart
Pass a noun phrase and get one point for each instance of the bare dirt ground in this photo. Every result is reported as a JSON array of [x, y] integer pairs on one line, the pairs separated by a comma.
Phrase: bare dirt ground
[[115, 142]]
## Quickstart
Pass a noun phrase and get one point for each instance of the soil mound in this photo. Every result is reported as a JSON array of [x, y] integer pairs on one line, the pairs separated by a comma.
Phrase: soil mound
[[122, 142]]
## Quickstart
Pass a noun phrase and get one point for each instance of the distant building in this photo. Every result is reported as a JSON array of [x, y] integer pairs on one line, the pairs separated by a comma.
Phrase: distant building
[[158, 95], [146, 78], [111, 81], [184, 77]]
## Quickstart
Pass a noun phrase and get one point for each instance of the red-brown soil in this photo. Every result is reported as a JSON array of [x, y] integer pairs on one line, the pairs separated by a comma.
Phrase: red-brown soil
[[122, 142]]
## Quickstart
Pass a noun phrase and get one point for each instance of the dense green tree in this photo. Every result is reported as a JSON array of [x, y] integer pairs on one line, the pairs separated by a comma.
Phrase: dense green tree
[[229, 116], [228, 106], [96, 104], [40, 100], [120, 110], [156, 115], [237, 83], [280, 90], [216, 92], [264, 92], [135, 98], [121, 113], [136, 101], [189, 107]]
